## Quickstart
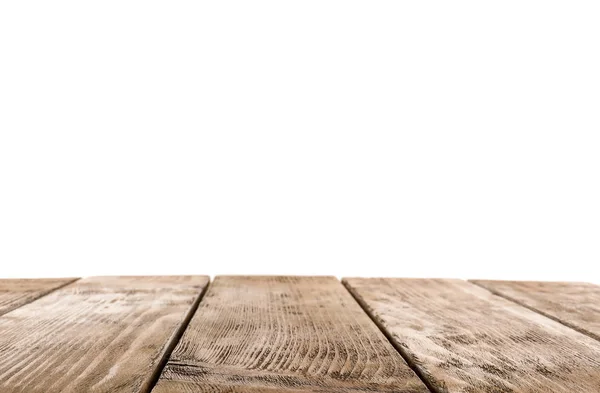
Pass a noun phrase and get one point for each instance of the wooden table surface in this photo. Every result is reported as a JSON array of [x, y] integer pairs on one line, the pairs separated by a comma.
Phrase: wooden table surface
[[185, 334]]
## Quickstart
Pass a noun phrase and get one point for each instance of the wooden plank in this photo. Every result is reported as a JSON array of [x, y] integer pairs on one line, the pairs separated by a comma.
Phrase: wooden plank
[[284, 334], [15, 293], [100, 334], [575, 304], [462, 338]]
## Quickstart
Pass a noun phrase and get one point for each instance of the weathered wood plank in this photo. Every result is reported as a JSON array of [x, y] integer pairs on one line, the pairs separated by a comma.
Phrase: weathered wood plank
[[15, 293], [462, 338], [575, 304], [100, 334], [284, 334]]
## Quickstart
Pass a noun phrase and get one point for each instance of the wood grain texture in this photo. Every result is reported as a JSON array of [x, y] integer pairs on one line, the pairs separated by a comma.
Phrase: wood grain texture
[[16, 292], [284, 334], [462, 338], [574, 304], [97, 335]]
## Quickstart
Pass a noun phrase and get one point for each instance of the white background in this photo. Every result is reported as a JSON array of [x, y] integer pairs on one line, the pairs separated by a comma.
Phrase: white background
[[353, 138]]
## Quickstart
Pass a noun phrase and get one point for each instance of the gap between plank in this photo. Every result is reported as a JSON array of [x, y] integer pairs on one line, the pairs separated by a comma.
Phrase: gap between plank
[[43, 294], [59, 287], [511, 299], [389, 337], [173, 341]]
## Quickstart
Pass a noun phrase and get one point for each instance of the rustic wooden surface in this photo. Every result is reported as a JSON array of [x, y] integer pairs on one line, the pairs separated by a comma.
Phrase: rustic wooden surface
[[15, 293], [462, 338], [297, 335], [284, 334], [97, 335], [574, 304]]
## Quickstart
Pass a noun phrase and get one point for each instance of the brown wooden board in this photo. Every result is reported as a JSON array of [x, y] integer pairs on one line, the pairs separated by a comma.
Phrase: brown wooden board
[[16, 292], [284, 334], [462, 338], [574, 304], [100, 335]]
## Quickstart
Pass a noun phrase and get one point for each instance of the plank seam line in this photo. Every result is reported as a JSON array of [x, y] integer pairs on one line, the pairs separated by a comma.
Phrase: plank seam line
[[43, 294], [555, 319], [151, 382], [389, 337]]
